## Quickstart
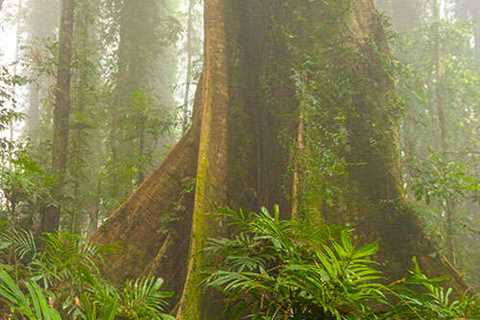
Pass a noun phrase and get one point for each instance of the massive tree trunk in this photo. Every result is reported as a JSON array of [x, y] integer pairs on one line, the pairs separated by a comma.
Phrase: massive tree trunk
[[234, 139], [247, 131], [51, 216]]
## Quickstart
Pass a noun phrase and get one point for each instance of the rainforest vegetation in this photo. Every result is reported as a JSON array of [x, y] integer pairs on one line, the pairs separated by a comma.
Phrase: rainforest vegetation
[[239, 159]]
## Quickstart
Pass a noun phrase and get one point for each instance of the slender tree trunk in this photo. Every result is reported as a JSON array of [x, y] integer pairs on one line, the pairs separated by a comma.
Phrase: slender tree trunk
[[17, 60], [33, 113], [475, 12], [51, 216], [93, 212], [117, 109], [438, 90], [442, 127], [141, 146], [78, 152], [188, 77], [469, 10], [406, 17]]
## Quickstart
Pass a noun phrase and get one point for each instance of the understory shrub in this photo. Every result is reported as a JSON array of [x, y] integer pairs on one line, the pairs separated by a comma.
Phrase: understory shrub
[[63, 281], [273, 269]]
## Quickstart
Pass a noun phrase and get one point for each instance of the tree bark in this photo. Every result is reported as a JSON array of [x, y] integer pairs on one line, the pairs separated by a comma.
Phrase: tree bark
[[212, 163], [51, 216], [242, 167]]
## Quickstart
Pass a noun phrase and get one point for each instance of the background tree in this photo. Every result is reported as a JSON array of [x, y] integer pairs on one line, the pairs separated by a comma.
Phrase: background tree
[[51, 216], [40, 23], [143, 103], [439, 71]]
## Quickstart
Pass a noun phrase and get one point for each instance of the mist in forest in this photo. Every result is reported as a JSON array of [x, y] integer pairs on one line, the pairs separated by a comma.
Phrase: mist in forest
[[227, 159]]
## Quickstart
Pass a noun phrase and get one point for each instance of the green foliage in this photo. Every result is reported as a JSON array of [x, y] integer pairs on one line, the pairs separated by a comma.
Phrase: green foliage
[[272, 269], [142, 299], [25, 186], [63, 281], [33, 304], [441, 180], [422, 297], [17, 246], [289, 270], [8, 114], [438, 84]]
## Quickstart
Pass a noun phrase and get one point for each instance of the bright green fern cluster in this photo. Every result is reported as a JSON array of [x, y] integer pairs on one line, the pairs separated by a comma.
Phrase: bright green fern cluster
[[63, 281], [295, 270], [289, 270]]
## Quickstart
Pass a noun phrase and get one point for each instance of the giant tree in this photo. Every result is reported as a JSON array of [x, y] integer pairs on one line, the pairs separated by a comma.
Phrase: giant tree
[[278, 78]]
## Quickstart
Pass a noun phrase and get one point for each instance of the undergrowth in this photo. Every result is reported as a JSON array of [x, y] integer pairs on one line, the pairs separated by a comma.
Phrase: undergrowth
[[267, 269], [273, 269], [62, 280]]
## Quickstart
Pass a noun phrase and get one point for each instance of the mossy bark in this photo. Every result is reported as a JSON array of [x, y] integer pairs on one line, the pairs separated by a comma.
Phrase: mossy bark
[[375, 197], [237, 154], [210, 187]]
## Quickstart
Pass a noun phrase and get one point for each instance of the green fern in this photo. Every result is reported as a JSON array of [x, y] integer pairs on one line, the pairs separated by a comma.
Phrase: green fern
[[71, 285], [33, 304], [17, 245], [285, 273], [425, 298], [143, 299]]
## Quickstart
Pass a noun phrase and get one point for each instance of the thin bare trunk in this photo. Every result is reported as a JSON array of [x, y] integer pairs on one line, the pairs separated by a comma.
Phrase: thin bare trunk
[[297, 174], [17, 60], [439, 100], [188, 77], [475, 12], [33, 114]]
